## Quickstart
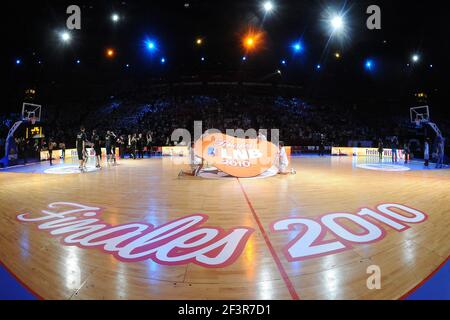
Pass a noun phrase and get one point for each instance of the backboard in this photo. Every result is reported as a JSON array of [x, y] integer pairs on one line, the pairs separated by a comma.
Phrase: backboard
[[31, 112], [420, 115]]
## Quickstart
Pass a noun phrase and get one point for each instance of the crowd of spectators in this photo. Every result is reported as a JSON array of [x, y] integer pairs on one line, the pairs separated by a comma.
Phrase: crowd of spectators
[[160, 113], [299, 122]]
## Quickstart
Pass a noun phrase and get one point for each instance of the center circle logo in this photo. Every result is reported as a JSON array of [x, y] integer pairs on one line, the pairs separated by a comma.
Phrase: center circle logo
[[382, 167], [68, 170]]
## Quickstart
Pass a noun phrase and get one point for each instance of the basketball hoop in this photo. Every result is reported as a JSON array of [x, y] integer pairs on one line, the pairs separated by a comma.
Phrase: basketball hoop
[[419, 115], [31, 112]]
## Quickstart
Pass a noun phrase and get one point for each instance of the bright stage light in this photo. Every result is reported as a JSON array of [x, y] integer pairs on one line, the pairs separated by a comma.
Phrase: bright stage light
[[65, 36], [78, 61], [151, 45], [253, 40], [283, 62], [115, 17], [244, 58], [369, 65], [110, 53], [18, 61], [199, 41], [163, 60], [297, 47], [337, 23], [202, 58], [318, 66], [337, 55], [415, 58], [268, 6]]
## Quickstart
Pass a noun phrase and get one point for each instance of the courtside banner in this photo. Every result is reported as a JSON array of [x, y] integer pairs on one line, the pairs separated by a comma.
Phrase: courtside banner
[[177, 151], [364, 152], [242, 158]]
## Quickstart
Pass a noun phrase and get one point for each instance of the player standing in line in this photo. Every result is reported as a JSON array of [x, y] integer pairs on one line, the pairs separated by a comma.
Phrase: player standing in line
[[140, 146], [394, 146], [97, 148], [426, 152], [110, 136], [283, 161], [122, 146], [62, 146], [113, 147], [51, 146], [380, 149], [149, 140], [322, 146], [129, 151], [440, 153], [406, 152], [133, 146], [81, 146]]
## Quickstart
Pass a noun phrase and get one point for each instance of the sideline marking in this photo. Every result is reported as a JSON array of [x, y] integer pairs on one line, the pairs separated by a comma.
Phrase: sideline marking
[[275, 257]]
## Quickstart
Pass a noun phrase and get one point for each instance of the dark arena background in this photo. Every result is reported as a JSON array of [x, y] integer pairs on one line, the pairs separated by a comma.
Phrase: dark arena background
[[326, 178]]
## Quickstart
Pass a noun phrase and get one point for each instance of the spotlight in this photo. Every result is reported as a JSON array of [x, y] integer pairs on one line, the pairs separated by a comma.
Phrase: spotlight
[[151, 45], [337, 55], [65, 36], [127, 65], [253, 40], [297, 46], [110, 53], [199, 41], [163, 60], [283, 62], [249, 42], [369, 65], [18, 61], [415, 58], [268, 6], [318, 66], [202, 58], [78, 61], [244, 58], [115, 17], [279, 71], [337, 23]]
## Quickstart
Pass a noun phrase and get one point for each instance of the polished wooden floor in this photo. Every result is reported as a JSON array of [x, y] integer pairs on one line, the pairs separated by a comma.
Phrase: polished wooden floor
[[150, 191]]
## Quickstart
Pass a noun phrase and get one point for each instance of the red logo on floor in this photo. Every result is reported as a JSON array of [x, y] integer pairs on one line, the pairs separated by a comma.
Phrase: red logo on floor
[[370, 225], [178, 242]]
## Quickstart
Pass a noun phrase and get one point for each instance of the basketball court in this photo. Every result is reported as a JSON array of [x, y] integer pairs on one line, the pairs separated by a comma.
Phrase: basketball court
[[262, 220], [227, 150]]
